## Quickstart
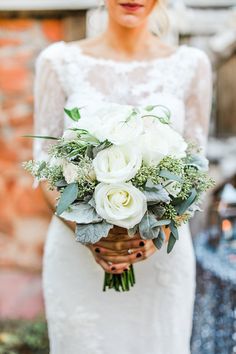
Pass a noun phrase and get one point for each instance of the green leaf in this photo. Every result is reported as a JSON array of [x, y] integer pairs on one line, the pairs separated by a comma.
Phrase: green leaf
[[149, 108], [174, 230], [157, 210], [61, 183], [68, 196], [133, 231], [155, 193], [163, 222], [81, 213], [158, 242], [74, 113], [148, 227], [41, 137], [42, 166], [186, 203], [169, 175], [132, 115], [165, 119], [171, 243], [104, 145], [198, 161], [92, 233]]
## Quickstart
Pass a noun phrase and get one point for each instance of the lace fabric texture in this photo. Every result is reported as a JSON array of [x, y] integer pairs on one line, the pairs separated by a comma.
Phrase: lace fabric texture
[[156, 316]]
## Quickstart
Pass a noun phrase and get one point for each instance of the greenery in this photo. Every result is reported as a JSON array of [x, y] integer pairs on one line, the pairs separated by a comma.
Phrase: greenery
[[24, 337]]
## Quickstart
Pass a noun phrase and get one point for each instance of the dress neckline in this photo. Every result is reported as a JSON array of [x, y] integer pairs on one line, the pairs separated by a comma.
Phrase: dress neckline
[[129, 63]]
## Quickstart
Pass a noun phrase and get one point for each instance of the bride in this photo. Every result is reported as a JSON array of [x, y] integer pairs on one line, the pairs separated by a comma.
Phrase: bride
[[127, 64]]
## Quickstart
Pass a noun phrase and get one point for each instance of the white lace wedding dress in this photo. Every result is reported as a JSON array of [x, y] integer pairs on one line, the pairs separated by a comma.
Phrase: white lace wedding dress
[[156, 315]]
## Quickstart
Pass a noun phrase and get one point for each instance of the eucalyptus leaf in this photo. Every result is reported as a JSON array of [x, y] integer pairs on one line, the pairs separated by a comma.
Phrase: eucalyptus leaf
[[158, 242], [92, 233], [174, 230], [68, 196], [186, 203], [169, 175], [171, 243], [81, 213]]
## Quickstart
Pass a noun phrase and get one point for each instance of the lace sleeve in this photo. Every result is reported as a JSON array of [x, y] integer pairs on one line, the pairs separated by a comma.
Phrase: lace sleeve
[[49, 104], [198, 103]]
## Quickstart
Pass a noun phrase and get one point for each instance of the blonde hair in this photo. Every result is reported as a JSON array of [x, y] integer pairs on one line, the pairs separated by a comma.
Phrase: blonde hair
[[158, 22], [159, 19]]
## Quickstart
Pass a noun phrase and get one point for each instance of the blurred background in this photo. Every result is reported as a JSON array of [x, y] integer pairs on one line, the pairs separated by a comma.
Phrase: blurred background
[[27, 27]]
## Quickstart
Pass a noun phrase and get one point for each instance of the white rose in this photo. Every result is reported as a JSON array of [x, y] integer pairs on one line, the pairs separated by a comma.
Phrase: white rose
[[70, 135], [117, 164], [120, 204], [113, 122], [160, 140], [70, 172]]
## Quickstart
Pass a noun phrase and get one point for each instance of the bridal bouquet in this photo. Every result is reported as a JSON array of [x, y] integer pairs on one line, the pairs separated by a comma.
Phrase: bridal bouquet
[[125, 166]]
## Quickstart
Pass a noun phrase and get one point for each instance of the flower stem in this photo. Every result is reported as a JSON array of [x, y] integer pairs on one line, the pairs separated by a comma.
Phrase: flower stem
[[119, 282]]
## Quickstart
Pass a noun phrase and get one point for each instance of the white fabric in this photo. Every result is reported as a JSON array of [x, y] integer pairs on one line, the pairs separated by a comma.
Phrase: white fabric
[[156, 315]]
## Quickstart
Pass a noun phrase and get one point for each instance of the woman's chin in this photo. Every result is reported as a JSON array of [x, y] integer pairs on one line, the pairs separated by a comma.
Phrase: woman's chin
[[130, 21]]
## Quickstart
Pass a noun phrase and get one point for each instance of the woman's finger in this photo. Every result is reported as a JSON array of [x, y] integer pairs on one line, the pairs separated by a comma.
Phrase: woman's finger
[[110, 268], [136, 256], [121, 245]]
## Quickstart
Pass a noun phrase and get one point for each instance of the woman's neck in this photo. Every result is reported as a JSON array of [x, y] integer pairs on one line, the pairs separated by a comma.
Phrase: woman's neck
[[128, 42]]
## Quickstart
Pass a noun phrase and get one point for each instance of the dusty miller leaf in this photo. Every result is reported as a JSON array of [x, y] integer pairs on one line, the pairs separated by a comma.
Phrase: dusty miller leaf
[[92, 233], [82, 213], [133, 231], [155, 193], [148, 227]]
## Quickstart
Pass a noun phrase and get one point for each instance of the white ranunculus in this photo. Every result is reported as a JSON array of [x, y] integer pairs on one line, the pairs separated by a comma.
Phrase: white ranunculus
[[113, 122], [117, 163], [120, 204], [160, 140], [70, 135], [70, 172]]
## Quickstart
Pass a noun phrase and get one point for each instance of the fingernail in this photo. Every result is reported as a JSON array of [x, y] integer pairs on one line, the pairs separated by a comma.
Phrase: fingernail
[[141, 244], [97, 250], [113, 268], [139, 255]]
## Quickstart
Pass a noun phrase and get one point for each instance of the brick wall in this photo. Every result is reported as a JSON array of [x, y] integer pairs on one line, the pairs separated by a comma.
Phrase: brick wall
[[24, 215]]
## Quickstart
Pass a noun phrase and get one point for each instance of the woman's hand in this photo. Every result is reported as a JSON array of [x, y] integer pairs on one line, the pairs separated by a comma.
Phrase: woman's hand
[[116, 252]]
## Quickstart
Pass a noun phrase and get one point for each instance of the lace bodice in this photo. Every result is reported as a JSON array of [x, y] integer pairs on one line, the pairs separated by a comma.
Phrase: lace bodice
[[65, 76]]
